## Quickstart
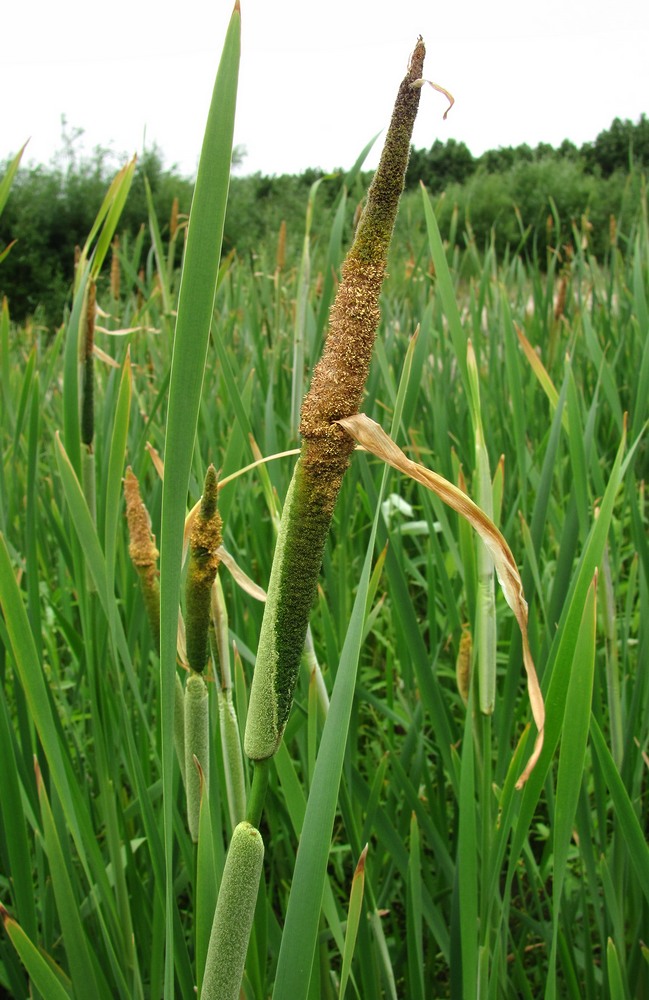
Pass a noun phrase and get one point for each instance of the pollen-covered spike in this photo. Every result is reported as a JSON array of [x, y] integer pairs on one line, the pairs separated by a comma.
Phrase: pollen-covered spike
[[204, 542]]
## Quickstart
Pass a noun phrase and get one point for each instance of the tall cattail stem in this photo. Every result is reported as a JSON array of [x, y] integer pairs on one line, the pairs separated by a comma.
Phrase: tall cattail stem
[[336, 391]]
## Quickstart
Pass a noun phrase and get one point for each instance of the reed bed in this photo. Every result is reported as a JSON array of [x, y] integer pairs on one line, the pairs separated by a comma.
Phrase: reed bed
[[393, 854]]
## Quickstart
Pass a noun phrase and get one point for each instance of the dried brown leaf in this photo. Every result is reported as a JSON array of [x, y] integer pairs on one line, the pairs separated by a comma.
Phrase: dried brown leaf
[[373, 438]]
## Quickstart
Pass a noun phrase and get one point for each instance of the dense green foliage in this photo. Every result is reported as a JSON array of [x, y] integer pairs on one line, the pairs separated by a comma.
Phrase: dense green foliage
[[471, 888], [512, 191]]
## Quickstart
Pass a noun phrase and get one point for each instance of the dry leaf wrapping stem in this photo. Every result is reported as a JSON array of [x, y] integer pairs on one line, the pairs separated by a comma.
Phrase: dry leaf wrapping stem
[[373, 438]]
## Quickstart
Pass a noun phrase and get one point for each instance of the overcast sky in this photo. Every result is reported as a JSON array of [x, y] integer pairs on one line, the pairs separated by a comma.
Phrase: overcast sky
[[318, 79]]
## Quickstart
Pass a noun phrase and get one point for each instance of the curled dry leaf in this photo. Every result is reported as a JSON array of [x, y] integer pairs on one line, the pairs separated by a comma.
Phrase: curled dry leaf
[[102, 356], [241, 578], [440, 90], [373, 438], [158, 464], [126, 330], [181, 642]]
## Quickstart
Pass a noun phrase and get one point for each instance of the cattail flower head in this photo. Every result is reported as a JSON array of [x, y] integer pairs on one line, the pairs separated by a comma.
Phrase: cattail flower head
[[204, 541], [235, 910], [142, 550]]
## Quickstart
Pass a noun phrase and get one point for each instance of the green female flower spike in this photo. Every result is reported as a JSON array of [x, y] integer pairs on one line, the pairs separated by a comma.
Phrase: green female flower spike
[[235, 910], [204, 541], [197, 744], [336, 391]]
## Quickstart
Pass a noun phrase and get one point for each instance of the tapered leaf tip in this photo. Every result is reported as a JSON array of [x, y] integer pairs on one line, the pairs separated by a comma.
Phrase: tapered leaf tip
[[360, 867]]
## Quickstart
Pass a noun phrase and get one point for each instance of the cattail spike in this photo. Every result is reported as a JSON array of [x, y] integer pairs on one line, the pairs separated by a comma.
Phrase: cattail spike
[[235, 910], [336, 391], [204, 541]]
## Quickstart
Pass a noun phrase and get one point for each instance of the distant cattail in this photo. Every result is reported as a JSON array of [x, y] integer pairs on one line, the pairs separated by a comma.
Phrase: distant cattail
[[410, 265], [281, 246], [560, 301], [612, 230], [235, 910], [115, 269]]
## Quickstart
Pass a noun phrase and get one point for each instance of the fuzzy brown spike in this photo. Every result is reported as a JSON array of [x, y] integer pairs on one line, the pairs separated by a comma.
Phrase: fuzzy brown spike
[[340, 375], [142, 550]]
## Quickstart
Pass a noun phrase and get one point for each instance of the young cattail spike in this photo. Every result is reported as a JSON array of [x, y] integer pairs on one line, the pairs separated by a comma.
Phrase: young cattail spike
[[204, 542], [143, 552], [336, 391], [197, 744], [235, 910]]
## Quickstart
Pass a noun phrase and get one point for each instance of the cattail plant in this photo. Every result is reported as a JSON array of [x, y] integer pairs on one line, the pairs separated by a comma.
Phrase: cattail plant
[[336, 391], [94, 856]]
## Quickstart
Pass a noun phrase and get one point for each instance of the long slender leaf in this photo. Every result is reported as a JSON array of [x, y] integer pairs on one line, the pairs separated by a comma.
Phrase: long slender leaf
[[195, 308]]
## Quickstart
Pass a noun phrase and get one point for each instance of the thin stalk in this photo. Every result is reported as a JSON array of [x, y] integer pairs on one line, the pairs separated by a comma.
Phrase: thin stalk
[[258, 792]]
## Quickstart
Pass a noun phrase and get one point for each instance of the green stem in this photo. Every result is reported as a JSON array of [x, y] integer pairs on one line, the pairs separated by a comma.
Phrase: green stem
[[258, 792]]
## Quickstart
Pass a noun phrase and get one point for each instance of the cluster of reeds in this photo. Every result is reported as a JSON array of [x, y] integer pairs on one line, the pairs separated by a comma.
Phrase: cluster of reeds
[[376, 688]]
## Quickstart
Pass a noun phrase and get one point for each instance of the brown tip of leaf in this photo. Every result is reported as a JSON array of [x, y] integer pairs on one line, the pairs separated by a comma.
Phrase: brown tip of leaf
[[360, 867]]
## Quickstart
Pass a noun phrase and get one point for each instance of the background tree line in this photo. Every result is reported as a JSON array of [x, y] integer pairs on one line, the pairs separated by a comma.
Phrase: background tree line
[[521, 199]]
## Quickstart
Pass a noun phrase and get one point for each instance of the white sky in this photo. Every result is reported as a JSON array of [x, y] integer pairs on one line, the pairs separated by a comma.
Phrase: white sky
[[318, 79]]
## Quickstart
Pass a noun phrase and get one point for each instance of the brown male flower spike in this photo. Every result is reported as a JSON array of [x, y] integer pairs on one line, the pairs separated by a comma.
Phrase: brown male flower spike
[[336, 392], [142, 550], [204, 542]]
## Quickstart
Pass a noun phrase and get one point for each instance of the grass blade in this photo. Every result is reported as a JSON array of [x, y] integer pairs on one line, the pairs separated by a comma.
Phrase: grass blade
[[195, 308]]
